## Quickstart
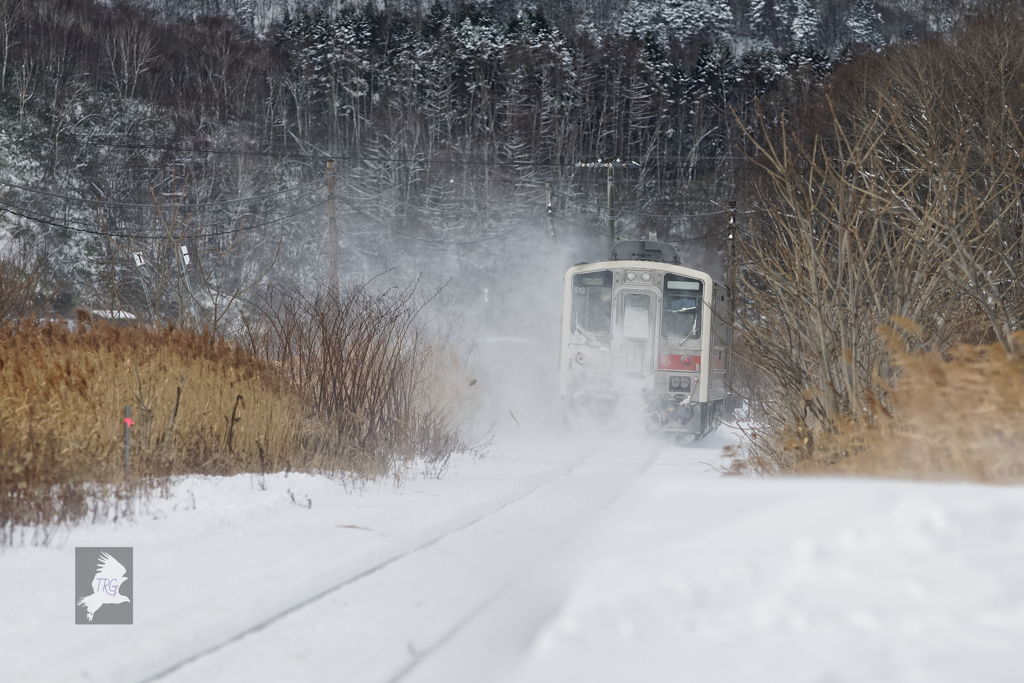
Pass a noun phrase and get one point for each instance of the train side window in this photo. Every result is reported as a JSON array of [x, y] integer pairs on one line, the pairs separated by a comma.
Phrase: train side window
[[592, 303], [681, 307]]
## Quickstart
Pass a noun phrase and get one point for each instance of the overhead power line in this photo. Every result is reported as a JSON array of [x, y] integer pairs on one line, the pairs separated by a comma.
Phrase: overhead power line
[[690, 160], [314, 155], [596, 230], [94, 229], [126, 205], [639, 213], [53, 221], [438, 210], [445, 243]]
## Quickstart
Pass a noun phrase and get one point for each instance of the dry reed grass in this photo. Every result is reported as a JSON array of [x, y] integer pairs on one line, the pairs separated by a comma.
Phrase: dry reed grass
[[340, 385], [957, 415], [200, 405]]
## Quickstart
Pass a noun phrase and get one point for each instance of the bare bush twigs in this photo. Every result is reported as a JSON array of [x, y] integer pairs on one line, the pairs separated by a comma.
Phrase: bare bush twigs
[[180, 272], [22, 283], [358, 358], [893, 205]]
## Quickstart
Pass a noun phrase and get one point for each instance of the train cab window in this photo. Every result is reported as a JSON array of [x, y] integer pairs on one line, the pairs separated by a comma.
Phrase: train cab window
[[681, 307], [592, 303], [636, 316]]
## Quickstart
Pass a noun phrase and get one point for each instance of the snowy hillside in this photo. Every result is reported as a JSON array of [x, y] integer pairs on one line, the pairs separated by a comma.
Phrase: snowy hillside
[[447, 120]]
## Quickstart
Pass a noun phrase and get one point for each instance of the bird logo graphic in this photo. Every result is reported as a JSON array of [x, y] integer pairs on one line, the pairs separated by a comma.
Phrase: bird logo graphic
[[110, 576]]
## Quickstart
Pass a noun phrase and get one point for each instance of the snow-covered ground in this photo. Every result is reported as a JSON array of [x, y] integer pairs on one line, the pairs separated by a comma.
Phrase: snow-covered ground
[[555, 558], [792, 580]]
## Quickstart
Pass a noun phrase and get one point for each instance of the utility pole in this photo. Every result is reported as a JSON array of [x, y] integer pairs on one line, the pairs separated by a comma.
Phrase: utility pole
[[611, 208], [139, 262], [332, 231], [184, 259], [730, 282], [731, 249], [611, 166], [550, 212]]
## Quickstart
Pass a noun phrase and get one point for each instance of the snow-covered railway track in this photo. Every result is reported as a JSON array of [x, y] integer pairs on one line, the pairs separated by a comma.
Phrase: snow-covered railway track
[[564, 560], [381, 623]]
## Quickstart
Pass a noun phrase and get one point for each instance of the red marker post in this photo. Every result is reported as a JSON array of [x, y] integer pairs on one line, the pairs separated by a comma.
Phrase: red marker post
[[127, 436]]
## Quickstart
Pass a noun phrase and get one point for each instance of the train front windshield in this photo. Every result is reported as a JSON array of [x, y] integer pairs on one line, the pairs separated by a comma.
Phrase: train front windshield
[[592, 303], [681, 307]]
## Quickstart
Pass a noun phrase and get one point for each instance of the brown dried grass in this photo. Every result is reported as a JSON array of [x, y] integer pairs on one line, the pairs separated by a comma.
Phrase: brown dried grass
[[200, 405], [318, 383], [957, 415]]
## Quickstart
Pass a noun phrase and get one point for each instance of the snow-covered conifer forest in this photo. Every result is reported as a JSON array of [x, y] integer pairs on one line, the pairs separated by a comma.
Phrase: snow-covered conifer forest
[[446, 120]]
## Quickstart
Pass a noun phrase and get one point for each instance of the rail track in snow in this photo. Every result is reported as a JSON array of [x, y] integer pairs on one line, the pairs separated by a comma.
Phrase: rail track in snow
[[460, 563]]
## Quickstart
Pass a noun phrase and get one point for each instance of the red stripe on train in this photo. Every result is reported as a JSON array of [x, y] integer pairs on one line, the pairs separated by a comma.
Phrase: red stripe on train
[[677, 361]]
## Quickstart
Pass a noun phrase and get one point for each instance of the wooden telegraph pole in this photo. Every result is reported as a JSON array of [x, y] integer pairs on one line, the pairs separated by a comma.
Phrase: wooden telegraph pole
[[332, 231], [550, 211], [611, 208], [610, 166], [731, 250], [730, 282]]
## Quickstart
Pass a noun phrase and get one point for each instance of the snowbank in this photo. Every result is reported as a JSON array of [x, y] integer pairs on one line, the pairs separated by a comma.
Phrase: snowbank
[[831, 580]]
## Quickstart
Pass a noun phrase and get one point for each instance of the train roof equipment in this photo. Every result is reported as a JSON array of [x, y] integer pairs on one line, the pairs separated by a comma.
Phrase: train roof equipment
[[644, 250]]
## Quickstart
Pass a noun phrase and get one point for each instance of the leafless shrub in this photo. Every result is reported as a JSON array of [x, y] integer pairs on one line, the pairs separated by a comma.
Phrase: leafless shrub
[[178, 271], [895, 208], [359, 359], [822, 270], [22, 280]]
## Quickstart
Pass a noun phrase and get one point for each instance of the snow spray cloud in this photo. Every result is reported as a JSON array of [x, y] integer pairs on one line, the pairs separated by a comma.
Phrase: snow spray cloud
[[502, 301], [495, 276], [495, 279]]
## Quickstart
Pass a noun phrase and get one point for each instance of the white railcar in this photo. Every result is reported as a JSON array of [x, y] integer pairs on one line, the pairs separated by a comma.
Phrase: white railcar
[[644, 335]]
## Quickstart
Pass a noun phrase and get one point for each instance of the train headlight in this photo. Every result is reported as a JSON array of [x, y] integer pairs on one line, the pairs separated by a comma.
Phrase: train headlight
[[646, 277], [679, 383], [580, 358], [630, 276]]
